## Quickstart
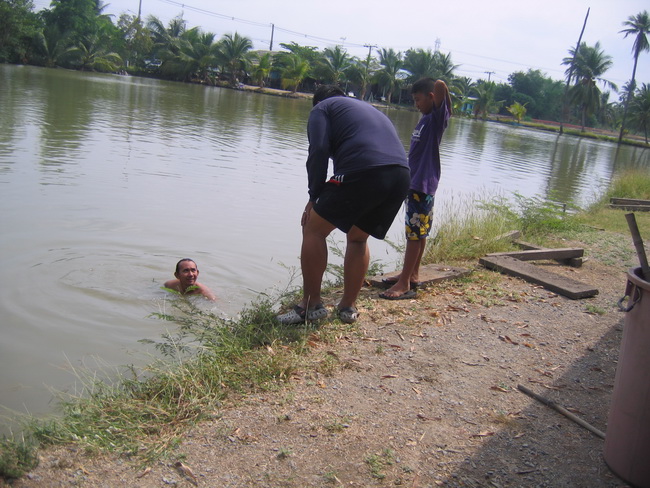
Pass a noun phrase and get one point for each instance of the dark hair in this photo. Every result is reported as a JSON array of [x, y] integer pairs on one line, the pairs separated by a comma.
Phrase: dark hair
[[178, 264], [327, 91], [423, 85]]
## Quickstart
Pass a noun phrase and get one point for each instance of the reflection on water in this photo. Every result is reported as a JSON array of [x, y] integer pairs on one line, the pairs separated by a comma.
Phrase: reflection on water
[[106, 181]]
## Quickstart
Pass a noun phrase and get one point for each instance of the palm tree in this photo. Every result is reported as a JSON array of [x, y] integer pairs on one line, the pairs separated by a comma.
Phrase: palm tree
[[640, 110], [361, 73], [420, 64], [426, 64], [459, 89], [485, 103], [444, 67], [517, 110], [52, 46], [639, 26], [294, 70], [607, 112], [165, 39], [334, 64], [90, 54], [197, 55], [262, 69], [234, 53], [590, 64], [389, 76]]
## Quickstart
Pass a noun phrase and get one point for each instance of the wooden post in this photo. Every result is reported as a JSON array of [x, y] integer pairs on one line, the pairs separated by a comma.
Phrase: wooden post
[[638, 244]]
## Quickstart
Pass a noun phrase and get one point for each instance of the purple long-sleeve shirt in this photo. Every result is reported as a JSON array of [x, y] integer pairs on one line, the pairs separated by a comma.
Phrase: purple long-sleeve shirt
[[424, 153]]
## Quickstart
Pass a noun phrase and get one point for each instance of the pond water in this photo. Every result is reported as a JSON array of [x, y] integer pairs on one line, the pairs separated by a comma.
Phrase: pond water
[[106, 181]]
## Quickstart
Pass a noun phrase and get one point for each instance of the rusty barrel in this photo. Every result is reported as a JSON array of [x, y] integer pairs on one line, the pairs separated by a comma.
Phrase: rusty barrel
[[627, 440]]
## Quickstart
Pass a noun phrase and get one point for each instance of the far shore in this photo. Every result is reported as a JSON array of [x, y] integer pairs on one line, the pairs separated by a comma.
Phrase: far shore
[[545, 125]]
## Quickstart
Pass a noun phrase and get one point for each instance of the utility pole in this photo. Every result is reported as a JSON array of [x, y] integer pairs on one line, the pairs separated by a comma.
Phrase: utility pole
[[369, 46], [489, 73], [571, 68], [139, 10], [272, 32]]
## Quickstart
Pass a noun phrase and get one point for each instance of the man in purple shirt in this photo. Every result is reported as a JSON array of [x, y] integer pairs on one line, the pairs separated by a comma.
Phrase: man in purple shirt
[[433, 101], [370, 182]]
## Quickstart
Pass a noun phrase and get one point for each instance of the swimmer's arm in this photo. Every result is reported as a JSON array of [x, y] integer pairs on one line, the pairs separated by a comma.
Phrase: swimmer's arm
[[172, 285], [206, 292]]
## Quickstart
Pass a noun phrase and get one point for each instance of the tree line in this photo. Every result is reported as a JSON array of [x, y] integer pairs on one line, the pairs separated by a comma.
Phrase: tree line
[[76, 34]]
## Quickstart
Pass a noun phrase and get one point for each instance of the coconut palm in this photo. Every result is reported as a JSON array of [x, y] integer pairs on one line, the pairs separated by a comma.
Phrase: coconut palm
[[90, 54], [294, 70], [640, 110], [444, 67], [390, 76], [52, 46], [485, 99], [420, 64], [197, 56], [234, 54], [518, 111], [333, 64], [427, 64], [590, 64], [361, 73], [166, 39], [638, 26], [261, 69]]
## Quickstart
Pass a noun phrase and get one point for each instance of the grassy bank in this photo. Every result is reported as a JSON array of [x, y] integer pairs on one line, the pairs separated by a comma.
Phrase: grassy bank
[[208, 362]]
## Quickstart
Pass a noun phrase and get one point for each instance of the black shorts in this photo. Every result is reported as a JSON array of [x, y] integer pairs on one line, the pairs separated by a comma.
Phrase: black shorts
[[369, 199]]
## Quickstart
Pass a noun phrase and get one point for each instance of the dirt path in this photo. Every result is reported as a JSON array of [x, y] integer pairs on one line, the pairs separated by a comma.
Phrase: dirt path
[[419, 393]]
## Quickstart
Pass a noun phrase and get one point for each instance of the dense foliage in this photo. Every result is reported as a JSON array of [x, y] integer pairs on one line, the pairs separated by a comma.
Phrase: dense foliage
[[76, 34]]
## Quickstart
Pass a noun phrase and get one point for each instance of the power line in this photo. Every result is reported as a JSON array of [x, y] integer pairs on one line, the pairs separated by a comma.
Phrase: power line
[[257, 24]]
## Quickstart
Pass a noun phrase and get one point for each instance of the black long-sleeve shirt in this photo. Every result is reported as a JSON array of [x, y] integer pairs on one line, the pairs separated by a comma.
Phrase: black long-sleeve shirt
[[355, 135]]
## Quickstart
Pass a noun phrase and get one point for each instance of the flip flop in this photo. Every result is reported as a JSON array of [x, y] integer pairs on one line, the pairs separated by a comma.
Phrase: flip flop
[[407, 295], [388, 282]]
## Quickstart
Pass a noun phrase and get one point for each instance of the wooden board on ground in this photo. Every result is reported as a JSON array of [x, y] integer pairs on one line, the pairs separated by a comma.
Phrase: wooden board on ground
[[559, 284], [541, 254], [630, 208], [630, 204], [570, 256], [429, 274], [628, 201]]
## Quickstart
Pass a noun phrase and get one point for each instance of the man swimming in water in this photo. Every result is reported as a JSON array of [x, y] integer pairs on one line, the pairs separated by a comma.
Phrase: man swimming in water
[[187, 272]]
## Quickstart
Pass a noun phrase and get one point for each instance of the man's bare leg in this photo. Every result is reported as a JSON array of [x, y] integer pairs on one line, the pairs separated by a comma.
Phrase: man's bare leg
[[355, 266], [313, 258], [410, 270]]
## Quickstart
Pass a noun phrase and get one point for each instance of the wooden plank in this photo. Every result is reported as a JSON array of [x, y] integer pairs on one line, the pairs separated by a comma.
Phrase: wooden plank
[[628, 201], [540, 254], [429, 274], [631, 208], [573, 262], [559, 284]]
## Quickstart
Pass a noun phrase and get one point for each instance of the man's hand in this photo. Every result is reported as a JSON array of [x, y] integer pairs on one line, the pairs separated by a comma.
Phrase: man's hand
[[305, 215]]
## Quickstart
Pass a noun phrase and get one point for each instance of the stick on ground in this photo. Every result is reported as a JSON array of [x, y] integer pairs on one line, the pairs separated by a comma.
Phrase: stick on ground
[[562, 410]]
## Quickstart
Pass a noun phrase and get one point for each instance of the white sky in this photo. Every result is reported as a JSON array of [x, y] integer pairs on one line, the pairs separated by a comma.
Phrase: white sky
[[500, 36]]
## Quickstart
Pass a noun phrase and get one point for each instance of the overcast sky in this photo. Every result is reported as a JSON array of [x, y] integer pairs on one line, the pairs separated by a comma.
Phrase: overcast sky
[[500, 36]]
